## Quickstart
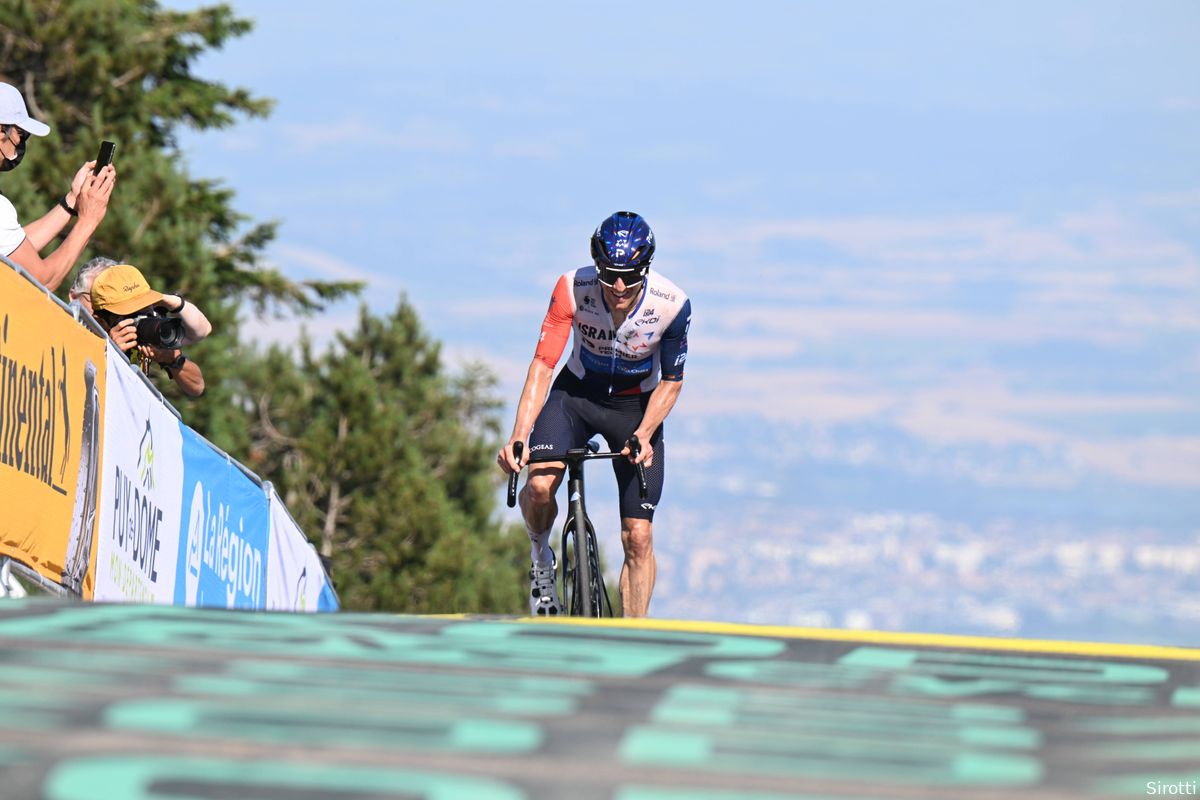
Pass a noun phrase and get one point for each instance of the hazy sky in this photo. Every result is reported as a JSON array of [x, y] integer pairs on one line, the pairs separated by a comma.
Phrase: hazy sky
[[949, 252]]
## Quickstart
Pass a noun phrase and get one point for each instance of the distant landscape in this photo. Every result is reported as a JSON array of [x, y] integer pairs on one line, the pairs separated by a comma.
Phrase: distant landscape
[[973, 563]]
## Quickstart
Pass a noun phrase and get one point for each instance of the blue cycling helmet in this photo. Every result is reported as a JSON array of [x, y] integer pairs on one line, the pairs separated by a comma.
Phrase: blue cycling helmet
[[622, 247]]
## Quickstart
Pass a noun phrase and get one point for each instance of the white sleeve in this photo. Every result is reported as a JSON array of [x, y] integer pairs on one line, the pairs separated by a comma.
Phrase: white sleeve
[[11, 232]]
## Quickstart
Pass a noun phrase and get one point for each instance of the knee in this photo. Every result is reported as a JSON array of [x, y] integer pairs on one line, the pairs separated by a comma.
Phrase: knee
[[637, 537], [539, 490]]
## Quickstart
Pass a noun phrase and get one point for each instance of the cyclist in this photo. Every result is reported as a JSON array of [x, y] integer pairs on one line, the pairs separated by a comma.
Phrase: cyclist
[[622, 377]]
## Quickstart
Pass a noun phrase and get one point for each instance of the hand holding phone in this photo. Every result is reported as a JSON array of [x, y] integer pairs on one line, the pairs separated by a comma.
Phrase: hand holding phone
[[105, 156]]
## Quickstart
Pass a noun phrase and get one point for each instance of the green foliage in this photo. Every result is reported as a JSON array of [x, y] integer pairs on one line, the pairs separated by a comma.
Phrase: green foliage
[[388, 462], [382, 458], [122, 70]]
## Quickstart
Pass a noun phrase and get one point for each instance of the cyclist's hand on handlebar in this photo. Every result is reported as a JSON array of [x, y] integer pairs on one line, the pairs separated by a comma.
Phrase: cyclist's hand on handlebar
[[645, 457], [507, 461]]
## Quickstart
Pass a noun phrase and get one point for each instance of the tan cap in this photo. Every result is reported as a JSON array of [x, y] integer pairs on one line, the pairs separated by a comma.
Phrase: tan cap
[[122, 289]]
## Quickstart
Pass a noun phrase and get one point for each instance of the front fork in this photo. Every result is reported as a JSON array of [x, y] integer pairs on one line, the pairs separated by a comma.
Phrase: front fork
[[575, 519]]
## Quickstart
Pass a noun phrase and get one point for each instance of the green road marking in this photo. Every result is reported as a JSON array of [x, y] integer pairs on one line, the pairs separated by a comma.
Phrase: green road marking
[[452, 695], [625, 653], [894, 638], [1187, 697], [35, 708], [933, 686], [520, 646], [156, 778], [1004, 667], [912, 724], [510, 694], [89, 661], [790, 673], [656, 793], [827, 758], [1156, 750], [971, 674], [54, 676], [956, 675], [845, 737], [368, 725], [385, 679], [1138, 726]]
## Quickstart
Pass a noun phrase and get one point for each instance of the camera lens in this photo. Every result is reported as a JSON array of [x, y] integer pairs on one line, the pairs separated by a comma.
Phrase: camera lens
[[163, 332]]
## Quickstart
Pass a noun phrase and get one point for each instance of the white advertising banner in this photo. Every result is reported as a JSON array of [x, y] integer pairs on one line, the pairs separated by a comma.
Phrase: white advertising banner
[[141, 485], [295, 578]]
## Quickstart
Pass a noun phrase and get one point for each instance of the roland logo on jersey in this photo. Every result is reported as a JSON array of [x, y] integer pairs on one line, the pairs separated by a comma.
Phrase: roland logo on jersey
[[668, 296]]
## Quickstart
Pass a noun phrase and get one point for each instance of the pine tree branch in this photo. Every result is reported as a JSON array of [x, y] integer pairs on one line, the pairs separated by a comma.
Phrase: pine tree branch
[[336, 503], [147, 218], [130, 75]]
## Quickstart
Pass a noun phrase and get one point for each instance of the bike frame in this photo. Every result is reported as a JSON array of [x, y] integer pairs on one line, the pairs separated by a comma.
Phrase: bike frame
[[580, 574]]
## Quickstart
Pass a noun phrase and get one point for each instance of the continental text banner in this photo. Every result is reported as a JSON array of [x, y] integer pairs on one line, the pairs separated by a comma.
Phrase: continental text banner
[[51, 395]]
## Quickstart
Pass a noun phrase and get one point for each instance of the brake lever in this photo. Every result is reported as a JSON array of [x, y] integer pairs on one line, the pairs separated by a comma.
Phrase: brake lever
[[635, 449], [518, 448]]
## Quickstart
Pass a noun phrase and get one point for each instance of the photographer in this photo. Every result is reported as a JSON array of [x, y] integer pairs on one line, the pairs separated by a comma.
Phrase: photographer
[[81, 289], [150, 326]]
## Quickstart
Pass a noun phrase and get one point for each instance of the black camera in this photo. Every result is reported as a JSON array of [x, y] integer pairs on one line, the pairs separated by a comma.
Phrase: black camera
[[158, 330]]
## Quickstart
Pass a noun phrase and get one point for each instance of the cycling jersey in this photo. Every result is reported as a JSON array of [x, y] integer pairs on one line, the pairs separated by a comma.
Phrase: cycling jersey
[[610, 360]]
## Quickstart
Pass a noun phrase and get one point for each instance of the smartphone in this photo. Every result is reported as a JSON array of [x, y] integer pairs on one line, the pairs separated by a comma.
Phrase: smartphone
[[104, 157]]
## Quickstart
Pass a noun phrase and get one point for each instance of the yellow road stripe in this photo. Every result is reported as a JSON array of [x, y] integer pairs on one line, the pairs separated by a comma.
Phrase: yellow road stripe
[[1096, 649]]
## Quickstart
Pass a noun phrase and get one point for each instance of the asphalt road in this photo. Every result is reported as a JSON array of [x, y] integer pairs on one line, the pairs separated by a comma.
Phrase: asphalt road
[[105, 702]]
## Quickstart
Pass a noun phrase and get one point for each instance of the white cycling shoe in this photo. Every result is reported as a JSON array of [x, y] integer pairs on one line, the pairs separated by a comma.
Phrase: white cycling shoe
[[543, 596]]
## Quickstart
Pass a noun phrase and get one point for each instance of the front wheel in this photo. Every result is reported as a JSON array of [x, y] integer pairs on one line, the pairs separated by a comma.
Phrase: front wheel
[[581, 579]]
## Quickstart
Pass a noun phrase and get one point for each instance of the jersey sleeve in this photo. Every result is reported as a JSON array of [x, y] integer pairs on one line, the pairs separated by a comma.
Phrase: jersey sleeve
[[556, 327], [673, 350]]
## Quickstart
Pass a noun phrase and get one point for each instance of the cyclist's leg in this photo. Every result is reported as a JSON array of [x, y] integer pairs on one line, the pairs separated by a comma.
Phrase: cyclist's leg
[[556, 430], [640, 569]]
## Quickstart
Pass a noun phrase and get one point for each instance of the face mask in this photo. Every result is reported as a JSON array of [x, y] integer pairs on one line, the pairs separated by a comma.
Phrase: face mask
[[12, 163]]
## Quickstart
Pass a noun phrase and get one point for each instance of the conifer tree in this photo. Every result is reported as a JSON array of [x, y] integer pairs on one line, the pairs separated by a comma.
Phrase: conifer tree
[[383, 457], [122, 70], [387, 462]]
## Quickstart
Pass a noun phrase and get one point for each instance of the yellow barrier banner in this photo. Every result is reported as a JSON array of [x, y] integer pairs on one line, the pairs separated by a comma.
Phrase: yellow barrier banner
[[52, 373]]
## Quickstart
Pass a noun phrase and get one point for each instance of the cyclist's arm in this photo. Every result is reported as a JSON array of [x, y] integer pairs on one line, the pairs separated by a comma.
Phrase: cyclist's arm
[[556, 328], [662, 400], [533, 397], [672, 355]]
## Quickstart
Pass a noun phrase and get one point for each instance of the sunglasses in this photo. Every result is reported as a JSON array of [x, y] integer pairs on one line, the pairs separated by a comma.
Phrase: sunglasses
[[609, 275]]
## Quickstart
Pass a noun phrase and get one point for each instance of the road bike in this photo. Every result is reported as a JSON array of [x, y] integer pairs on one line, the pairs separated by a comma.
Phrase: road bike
[[583, 591]]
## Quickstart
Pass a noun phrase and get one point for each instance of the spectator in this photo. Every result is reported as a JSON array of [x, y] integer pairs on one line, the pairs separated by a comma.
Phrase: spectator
[[87, 200], [81, 289], [121, 299]]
